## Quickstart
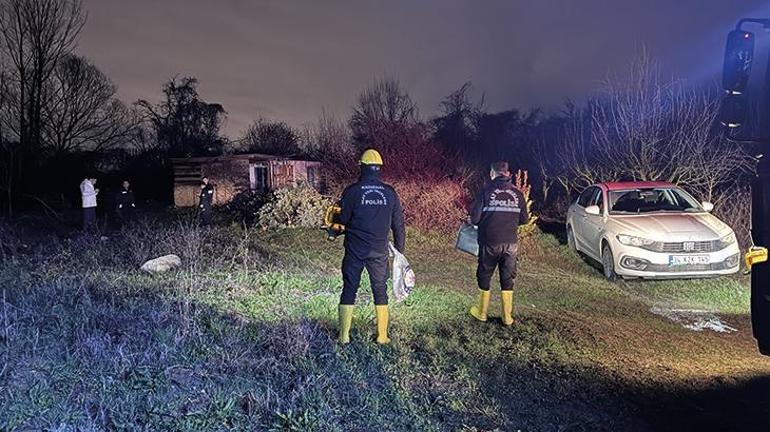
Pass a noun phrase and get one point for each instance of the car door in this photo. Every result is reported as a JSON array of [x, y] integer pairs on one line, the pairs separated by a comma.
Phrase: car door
[[593, 225], [580, 216]]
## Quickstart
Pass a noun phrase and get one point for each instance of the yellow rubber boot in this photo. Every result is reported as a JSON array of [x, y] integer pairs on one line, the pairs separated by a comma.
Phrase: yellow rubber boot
[[382, 324], [346, 319], [480, 311], [507, 297]]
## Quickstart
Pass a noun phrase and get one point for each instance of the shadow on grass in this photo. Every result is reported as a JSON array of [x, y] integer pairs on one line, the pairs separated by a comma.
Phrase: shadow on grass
[[554, 228], [522, 379], [87, 357], [116, 350], [737, 404], [525, 380], [83, 355]]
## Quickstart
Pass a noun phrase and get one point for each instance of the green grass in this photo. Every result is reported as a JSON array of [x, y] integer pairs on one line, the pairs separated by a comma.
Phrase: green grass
[[726, 295], [243, 337]]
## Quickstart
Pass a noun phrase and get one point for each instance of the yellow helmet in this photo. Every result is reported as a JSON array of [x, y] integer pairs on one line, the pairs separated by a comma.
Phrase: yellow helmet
[[371, 157]]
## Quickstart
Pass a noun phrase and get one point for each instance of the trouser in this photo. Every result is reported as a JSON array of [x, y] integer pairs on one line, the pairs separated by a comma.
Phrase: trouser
[[89, 218], [205, 216], [125, 215], [502, 257], [351, 278]]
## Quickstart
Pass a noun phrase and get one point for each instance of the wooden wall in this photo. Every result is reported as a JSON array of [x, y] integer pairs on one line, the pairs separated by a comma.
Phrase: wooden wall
[[229, 177], [232, 176], [285, 172], [187, 180]]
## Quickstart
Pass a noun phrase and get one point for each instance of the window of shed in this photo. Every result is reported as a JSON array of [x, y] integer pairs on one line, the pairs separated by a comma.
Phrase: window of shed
[[312, 175], [259, 177]]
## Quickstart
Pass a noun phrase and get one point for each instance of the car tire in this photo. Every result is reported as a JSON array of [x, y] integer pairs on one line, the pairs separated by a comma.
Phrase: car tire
[[571, 240], [608, 264]]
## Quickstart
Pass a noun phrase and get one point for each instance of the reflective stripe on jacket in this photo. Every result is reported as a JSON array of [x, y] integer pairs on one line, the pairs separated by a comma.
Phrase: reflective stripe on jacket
[[498, 211]]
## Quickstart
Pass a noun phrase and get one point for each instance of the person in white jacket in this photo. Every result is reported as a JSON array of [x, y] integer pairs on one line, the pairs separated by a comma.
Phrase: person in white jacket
[[88, 194]]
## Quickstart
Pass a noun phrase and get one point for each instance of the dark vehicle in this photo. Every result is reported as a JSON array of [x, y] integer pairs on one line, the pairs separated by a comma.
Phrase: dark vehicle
[[739, 56]]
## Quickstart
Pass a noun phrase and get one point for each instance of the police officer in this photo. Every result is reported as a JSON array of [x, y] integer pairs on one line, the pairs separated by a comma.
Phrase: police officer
[[124, 203], [498, 211], [370, 210], [206, 200]]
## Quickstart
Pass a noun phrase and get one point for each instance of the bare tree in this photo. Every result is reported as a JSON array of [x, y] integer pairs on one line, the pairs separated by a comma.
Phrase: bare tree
[[81, 111], [382, 109], [271, 137], [579, 164], [330, 141], [185, 125], [329, 138], [9, 149], [645, 128], [35, 36], [457, 126]]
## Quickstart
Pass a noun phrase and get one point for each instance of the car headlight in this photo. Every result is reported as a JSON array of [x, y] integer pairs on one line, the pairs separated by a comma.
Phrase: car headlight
[[629, 240], [728, 240]]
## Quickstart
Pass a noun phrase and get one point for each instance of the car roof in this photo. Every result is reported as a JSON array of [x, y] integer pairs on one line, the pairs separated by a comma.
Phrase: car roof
[[615, 186]]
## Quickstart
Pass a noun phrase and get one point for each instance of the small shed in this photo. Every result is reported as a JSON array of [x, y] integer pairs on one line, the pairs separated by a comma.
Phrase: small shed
[[233, 174]]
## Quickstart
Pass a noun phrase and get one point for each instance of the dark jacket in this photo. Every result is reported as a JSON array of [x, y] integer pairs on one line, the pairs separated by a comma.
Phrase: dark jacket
[[498, 211], [125, 200], [370, 210], [207, 197]]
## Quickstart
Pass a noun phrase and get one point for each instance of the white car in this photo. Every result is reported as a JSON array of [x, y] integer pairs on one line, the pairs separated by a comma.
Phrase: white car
[[650, 230]]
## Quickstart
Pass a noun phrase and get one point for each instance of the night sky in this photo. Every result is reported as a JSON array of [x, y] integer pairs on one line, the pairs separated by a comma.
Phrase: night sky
[[289, 60]]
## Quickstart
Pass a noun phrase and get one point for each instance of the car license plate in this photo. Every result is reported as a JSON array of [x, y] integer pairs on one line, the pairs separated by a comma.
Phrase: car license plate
[[675, 260]]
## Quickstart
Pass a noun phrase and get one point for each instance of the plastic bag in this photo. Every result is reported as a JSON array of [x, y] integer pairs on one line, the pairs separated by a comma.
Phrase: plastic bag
[[468, 239], [403, 275]]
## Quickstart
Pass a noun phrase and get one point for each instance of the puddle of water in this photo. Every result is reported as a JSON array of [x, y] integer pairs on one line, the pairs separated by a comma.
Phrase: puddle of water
[[694, 319]]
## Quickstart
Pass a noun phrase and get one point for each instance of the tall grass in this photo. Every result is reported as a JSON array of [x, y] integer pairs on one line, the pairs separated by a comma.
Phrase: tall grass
[[243, 337]]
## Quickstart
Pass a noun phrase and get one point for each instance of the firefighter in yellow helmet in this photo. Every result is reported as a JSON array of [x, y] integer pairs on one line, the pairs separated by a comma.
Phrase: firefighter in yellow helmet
[[371, 209]]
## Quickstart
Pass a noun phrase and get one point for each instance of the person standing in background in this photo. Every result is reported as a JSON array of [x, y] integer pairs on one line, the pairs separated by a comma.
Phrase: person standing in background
[[88, 195], [124, 203], [206, 201]]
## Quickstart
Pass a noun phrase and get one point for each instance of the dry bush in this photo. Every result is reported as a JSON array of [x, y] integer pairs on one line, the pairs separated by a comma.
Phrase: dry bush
[[245, 206], [733, 207], [427, 178], [294, 206], [521, 181], [432, 205]]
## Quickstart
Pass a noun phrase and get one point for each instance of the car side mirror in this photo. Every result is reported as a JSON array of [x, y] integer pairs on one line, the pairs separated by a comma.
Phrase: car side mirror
[[593, 210], [707, 206]]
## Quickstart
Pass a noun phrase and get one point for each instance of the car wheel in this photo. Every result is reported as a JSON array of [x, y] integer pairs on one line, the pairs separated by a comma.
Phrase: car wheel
[[571, 240], [608, 263]]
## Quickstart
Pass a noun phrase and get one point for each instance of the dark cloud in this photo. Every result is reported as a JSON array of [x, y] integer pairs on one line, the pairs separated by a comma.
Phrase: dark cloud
[[290, 60]]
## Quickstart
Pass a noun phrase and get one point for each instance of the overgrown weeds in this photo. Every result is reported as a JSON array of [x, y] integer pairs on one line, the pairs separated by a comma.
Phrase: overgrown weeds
[[242, 337]]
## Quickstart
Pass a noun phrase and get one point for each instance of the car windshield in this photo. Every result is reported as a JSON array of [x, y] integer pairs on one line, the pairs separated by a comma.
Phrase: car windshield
[[636, 201]]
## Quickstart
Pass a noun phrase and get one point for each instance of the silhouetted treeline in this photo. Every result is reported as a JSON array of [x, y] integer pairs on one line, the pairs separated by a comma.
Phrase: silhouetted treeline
[[61, 121]]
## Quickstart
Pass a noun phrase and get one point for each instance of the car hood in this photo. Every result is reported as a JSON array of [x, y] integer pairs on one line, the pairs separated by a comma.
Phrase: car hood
[[667, 227]]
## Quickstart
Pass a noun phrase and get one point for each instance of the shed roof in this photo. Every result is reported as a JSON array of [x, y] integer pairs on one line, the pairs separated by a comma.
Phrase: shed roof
[[246, 156]]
